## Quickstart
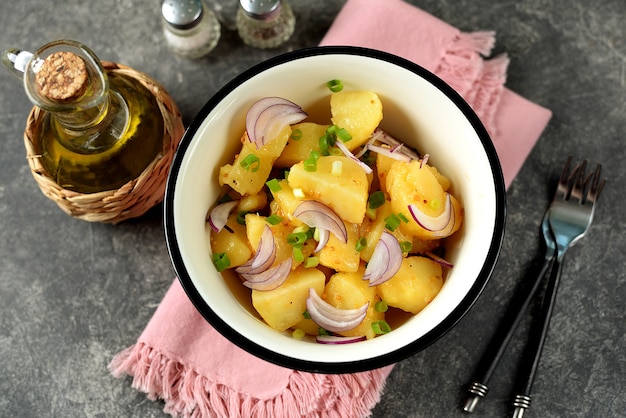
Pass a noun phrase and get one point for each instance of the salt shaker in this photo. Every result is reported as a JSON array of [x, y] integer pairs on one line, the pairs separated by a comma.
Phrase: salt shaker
[[265, 23], [190, 28]]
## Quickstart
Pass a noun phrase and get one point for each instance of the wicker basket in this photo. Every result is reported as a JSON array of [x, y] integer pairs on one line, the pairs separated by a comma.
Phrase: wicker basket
[[135, 197]]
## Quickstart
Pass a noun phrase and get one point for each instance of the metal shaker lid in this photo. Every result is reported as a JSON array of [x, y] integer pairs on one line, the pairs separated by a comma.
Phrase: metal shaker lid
[[261, 9], [182, 14]]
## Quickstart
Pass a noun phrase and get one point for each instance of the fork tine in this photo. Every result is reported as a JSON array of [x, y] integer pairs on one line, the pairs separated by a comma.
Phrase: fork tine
[[596, 185], [565, 173], [577, 187], [570, 179], [563, 184]]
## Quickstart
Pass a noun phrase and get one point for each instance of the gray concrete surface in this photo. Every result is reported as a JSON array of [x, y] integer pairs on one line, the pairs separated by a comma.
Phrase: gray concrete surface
[[72, 294]]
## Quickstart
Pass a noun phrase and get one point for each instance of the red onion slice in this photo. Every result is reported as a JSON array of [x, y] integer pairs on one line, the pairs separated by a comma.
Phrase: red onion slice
[[324, 234], [270, 279], [318, 215], [384, 138], [268, 116], [348, 153], [439, 260], [432, 223], [334, 339], [389, 153], [385, 261], [263, 257], [331, 318], [219, 215]]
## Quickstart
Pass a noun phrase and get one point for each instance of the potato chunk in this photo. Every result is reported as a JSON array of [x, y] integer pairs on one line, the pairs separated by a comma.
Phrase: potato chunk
[[411, 183], [232, 241], [298, 150], [285, 202], [350, 291], [255, 224], [251, 179], [346, 193], [283, 307], [359, 112], [342, 256], [414, 286]]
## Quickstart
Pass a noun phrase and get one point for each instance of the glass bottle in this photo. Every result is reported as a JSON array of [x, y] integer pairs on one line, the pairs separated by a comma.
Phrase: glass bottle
[[190, 28], [99, 130], [265, 23]]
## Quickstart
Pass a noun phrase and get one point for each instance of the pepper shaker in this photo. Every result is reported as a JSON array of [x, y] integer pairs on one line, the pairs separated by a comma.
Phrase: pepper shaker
[[265, 23], [190, 28]]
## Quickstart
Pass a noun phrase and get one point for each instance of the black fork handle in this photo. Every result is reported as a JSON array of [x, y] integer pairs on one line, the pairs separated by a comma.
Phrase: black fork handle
[[478, 387], [539, 332]]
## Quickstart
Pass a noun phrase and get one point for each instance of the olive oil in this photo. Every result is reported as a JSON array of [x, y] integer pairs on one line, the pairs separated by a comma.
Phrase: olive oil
[[89, 154]]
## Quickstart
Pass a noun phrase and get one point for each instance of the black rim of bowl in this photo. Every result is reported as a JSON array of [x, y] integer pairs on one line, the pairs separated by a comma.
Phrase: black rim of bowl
[[358, 365]]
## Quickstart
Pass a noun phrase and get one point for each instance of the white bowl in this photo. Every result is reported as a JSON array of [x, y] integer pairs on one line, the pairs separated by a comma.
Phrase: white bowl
[[419, 109]]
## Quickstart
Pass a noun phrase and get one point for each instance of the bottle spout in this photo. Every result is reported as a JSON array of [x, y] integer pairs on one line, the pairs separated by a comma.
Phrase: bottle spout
[[15, 61]]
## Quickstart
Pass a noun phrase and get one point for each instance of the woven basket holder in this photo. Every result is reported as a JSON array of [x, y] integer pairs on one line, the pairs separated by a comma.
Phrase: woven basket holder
[[135, 197]]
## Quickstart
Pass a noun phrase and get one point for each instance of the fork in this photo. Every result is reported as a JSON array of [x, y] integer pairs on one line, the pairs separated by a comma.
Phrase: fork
[[569, 218], [478, 387]]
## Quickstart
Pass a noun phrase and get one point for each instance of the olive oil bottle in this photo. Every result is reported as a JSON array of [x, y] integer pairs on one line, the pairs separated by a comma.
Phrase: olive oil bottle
[[100, 130]]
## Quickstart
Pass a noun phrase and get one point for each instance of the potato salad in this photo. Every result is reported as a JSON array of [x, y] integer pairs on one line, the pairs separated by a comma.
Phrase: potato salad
[[334, 226]]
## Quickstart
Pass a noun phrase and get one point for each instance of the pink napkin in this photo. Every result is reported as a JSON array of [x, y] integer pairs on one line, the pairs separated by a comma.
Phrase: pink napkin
[[182, 360]]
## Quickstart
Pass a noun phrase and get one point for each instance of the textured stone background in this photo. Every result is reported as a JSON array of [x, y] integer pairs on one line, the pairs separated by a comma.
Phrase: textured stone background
[[72, 294]]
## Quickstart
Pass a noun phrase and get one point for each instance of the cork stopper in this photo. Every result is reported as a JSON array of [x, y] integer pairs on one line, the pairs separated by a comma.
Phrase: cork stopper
[[62, 77]]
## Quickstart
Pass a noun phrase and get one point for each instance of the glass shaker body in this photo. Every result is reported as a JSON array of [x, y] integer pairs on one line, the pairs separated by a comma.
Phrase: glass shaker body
[[265, 23], [190, 28]]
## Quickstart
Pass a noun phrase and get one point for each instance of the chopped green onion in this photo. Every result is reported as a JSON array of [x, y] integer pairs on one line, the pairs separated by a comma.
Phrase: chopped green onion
[[406, 246], [311, 262], [335, 85], [381, 306], [221, 261], [297, 238], [273, 185], [316, 234], [392, 222], [325, 142], [297, 253], [296, 135], [241, 217], [298, 334], [310, 164], [403, 218], [225, 198], [376, 199], [336, 152], [336, 168], [371, 213], [301, 228], [369, 158], [274, 219], [251, 163], [381, 327], [306, 315], [361, 244], [344, 135], [322, 331], [434, 204]]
